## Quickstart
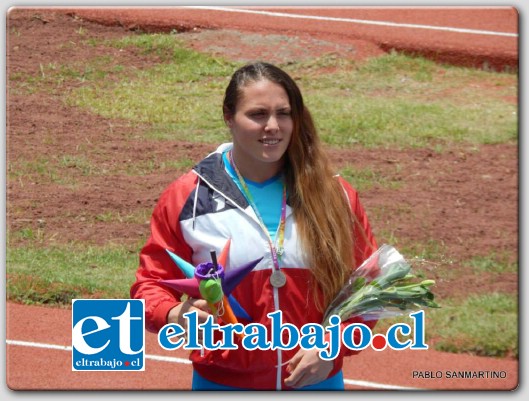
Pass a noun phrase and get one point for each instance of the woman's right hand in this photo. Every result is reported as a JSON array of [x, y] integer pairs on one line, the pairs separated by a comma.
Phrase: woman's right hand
[[176, 315]]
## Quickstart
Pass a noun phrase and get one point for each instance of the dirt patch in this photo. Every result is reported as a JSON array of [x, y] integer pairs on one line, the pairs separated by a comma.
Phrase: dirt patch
[[466, 200], [244, 46], [463, 201]]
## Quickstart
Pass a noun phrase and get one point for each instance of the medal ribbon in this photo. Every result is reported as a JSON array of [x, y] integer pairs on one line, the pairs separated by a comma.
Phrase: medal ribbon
[[276, 253]]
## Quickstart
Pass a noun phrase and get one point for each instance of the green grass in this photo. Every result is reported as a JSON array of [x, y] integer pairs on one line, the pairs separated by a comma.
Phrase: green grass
[[393, 100], [483, 325], [401, 122], [193, 65], [57, 274], [400, 101], [66, 170], [79, 163], [138, 217], [172, 107], [479, 324], [157, 165], [432, 257], [494, 263], [179, 98], [365, 178]]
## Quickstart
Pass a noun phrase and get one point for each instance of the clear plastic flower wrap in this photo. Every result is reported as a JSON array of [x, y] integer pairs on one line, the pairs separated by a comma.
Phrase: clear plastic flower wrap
[[381, 287]]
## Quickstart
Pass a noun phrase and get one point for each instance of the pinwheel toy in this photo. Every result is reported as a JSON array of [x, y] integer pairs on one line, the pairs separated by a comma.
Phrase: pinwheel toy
[[211, 282]]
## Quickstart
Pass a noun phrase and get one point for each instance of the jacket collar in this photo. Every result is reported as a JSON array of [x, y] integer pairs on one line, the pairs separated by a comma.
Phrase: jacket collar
[[212, 171]]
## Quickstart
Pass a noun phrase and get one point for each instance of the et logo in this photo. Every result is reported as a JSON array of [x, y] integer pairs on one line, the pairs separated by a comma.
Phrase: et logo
[[108, 334]]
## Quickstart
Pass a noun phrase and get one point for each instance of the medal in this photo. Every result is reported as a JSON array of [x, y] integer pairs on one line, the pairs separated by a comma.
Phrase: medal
[[278, 279]]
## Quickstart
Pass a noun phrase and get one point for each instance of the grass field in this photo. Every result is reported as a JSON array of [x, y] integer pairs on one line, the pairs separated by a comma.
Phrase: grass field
[[390, 102]]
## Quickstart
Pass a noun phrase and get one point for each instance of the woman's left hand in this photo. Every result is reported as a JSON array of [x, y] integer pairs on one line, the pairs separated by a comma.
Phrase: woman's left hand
[[306, 368]]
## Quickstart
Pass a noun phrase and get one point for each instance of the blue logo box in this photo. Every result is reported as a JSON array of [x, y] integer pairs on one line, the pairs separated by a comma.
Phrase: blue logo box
[[108, 335]]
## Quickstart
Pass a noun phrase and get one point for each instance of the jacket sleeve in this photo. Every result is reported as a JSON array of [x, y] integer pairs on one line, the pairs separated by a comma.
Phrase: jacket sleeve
[[365, 245], [364, 240], [155, 264]]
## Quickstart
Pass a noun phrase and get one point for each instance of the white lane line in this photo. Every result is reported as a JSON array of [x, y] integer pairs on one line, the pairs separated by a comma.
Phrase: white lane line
[[171, 359], [69, 348], [361, 383], [357, 21], [38, 345]]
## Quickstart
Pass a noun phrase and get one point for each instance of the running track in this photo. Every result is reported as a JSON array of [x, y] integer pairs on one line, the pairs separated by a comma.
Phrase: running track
[[38, 339], [39, 357], [473, 36]]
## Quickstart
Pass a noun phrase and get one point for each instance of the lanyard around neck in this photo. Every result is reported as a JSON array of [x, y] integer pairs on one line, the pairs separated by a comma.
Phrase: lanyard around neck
[[276, 252]]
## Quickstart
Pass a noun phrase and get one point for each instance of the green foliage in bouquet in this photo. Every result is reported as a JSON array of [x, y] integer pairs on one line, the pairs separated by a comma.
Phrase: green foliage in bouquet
[[381, 287]]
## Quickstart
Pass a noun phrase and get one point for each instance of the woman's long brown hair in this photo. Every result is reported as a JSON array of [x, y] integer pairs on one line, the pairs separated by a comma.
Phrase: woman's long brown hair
[[320, 207]]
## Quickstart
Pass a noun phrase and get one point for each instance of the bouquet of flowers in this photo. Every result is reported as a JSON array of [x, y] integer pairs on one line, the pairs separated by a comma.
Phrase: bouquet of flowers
[[381, 287]]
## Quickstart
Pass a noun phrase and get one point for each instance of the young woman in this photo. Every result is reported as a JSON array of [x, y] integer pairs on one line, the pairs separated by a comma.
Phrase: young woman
[[272, 192]]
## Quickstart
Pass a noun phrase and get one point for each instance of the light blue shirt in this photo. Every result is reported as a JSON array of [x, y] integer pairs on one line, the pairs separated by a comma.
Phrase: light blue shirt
[[267, 196]]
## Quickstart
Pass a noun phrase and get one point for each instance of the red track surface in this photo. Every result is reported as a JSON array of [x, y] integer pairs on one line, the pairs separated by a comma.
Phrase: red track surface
[[468, 49], [30, 367]]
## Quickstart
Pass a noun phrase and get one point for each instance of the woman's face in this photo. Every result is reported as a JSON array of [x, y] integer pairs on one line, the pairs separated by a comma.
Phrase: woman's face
[[261, 128]]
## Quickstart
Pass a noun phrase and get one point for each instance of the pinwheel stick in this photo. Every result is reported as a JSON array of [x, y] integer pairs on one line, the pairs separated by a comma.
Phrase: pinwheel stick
[[214, 260]]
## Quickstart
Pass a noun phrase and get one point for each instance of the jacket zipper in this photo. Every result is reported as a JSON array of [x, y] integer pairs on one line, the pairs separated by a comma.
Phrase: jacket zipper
[[279, 355], [275, 290]]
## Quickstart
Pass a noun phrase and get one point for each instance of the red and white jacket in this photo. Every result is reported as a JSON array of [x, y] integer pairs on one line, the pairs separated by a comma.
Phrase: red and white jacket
[[198, 213]]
